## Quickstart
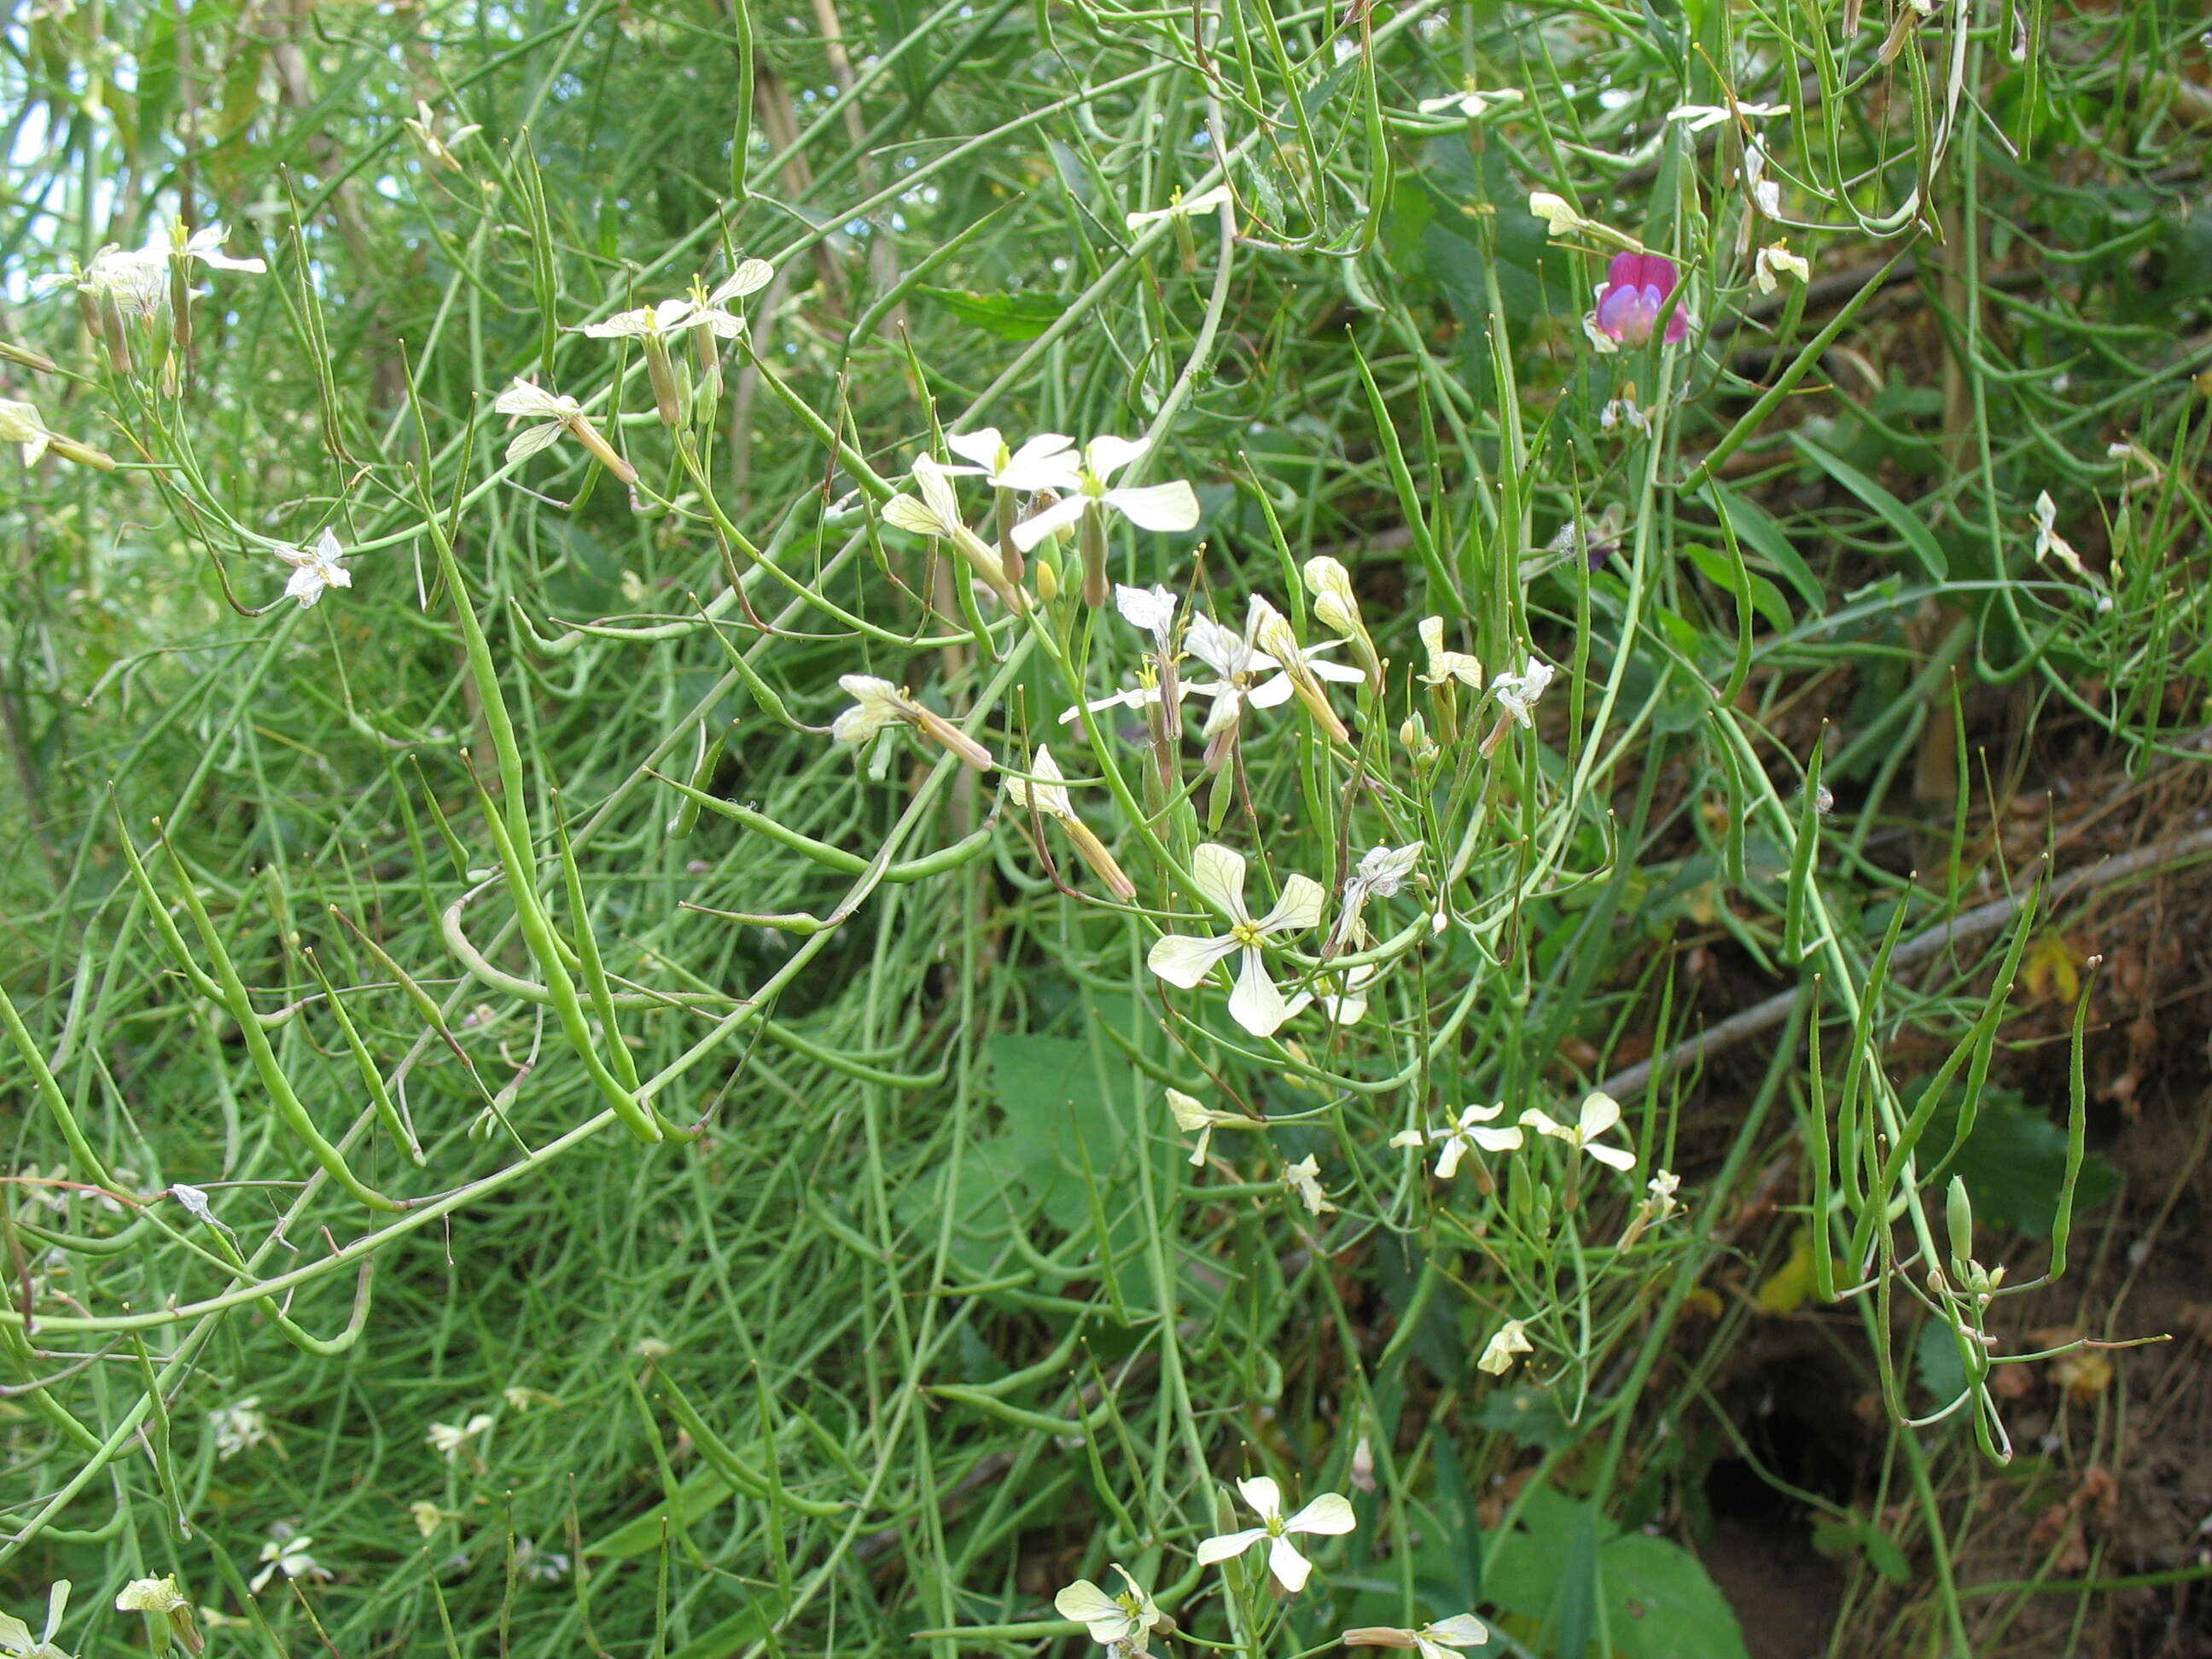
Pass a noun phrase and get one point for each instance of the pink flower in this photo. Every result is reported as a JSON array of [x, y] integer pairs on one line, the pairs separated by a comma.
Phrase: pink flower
[[1637, 287]]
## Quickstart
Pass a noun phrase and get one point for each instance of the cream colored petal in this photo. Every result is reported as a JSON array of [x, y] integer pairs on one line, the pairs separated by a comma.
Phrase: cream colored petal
[[1297, 909], [1292, 1570], [1103, 457], [1061, 516], [1328, 1514], [1218, 872], [1599, 1113], [1165, 506], [1261, 1492], [1256, 1004], [1184, 959], [1614, 1157], [1211, 1550]]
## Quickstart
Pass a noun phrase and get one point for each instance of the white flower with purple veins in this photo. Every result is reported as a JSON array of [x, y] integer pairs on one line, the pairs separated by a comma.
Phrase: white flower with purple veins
[[1517, 694], [1382, 872], [1149, 506], [1464, 1136], [1249, 674], [313, 569], [1328, 1515], [1599, 1113], [673, 316], [1047, 461], [1184, 959], [1121, 1622], [134, 280]]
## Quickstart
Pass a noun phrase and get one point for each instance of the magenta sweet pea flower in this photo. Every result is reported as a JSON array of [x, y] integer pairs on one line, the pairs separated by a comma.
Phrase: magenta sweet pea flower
[[1635, 291]]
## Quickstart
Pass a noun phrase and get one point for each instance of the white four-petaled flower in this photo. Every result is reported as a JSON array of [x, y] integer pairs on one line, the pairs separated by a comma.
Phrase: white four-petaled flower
[[1149, 506], [1328, 1515], [1382, 872], [1184, 959], [1121, 1622], [1047, 461], [878, 703], [558, 415], [1695, 118], [1045, 793], [1207, 201], [1557, 212], [1600, 1112], [447, 1439], [313, 569], [1461, 1136], [2049, 544], [286, 1552]]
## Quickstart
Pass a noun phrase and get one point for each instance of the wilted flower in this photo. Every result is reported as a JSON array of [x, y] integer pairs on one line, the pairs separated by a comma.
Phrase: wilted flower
[[1776, 261], [1557, 213], [1635, 291], [1184, 959], [135, 281], [1470, 103], [159, 1596], [557, 416], [1461, 1631], [1336, 608], [448, 1439], [878, 703], [1381, 872], [1121, 1622], [427, 1517], [1463, 1135], [21, 424], [1658, 1204], [1600, 1112], [1328, 1515], [1046, 795], [313, 569], [15, 1635], [1503, 1349], [2049, 544], [1271, 630], [1047, 461], [1623, 412], [1765, 193], [936, 511], [1191, 1117], [1517, 694], [286, 1553], [1303, 1178], [423, 125], [1446, 665], [238, 1427]]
